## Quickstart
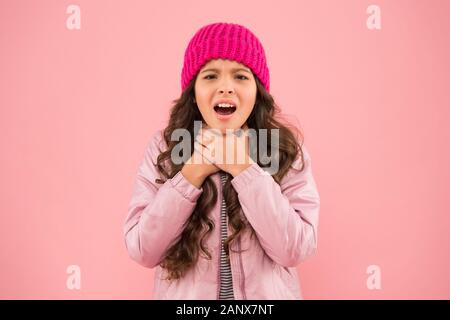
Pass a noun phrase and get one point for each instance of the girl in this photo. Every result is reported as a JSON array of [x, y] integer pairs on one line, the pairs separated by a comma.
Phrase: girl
[[217, 230]]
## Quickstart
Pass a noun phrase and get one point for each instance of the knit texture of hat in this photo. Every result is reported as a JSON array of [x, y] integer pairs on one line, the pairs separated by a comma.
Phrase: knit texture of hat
[[226, 41]]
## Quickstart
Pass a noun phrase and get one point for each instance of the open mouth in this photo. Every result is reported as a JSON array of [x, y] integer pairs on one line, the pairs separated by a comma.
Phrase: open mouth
[[224, 110]]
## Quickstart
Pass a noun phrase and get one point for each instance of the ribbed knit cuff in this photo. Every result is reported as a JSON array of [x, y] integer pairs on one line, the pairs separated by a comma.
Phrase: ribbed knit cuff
[[243, 179], [185, 187]]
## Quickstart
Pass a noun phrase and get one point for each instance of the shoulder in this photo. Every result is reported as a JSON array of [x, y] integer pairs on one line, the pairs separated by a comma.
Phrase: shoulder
[[301, 166], [303, 159], [155, 146], [157, 137], [300, 182], [156, 143]]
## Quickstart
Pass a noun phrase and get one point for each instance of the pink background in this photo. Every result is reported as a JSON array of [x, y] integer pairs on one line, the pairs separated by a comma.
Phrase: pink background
[[77, 108]]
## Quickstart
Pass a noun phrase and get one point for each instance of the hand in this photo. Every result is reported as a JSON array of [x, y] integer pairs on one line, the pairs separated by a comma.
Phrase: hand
[[199, 166], [229, 152]]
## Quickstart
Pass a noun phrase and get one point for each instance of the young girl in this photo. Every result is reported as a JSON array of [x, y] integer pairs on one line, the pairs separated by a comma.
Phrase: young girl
[[215, 229]]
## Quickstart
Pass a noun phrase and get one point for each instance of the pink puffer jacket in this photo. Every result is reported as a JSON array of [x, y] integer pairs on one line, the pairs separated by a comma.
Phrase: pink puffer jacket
[[285, 218]]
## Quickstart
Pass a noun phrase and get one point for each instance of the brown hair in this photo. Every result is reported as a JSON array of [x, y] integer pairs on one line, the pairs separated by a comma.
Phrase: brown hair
[[184, 252]]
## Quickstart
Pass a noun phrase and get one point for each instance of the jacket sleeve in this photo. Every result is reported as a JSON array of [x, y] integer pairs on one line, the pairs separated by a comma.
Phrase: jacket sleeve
[[156, 212], [285, 218]]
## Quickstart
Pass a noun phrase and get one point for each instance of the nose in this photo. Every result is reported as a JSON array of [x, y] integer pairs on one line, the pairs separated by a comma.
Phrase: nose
[[226, 86], [229, 91]]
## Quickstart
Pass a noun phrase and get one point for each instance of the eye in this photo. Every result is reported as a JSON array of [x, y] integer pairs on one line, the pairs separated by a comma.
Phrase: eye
[[208, 76], [241, 76]]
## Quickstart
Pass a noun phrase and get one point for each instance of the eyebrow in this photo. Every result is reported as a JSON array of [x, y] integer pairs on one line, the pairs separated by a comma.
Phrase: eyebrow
[[234, 70]]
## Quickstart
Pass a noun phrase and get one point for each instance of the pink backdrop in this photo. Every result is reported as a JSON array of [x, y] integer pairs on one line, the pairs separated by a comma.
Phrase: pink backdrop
[[77, 107]]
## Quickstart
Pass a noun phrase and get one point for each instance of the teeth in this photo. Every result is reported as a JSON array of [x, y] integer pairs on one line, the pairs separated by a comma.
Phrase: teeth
[[225, 105]]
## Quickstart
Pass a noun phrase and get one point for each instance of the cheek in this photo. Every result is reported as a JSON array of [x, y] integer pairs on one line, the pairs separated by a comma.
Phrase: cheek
[[248, 103], [202, 99], [203, 110], [247, 110], [203, 93], [248, 95]]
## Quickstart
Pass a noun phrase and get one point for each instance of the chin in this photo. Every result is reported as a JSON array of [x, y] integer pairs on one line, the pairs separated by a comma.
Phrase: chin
[[224, 126], [223, 129]]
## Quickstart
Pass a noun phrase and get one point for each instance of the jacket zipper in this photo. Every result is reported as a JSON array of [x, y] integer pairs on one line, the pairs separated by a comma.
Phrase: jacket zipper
[[241, 267], [220, 239]]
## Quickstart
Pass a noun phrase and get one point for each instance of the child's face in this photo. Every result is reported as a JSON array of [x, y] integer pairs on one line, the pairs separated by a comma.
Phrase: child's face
[[231, 81]]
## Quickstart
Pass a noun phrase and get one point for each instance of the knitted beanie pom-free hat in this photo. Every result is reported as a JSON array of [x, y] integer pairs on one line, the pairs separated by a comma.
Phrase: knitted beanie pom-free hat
[[224, 41]]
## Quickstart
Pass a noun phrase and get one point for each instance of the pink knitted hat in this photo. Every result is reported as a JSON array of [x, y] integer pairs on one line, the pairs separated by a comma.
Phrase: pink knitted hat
[[227, 41]]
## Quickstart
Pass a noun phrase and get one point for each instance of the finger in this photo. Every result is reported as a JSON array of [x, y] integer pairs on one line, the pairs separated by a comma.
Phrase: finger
[[212, 132], [204, 152], [209, 149], [241, 131], [207, 137], [197, 157], [204, 143], [210, 140], [201, 158]]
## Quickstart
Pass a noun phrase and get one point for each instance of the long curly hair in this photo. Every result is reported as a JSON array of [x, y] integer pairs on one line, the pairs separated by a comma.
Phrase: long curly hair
[[185, 250]]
